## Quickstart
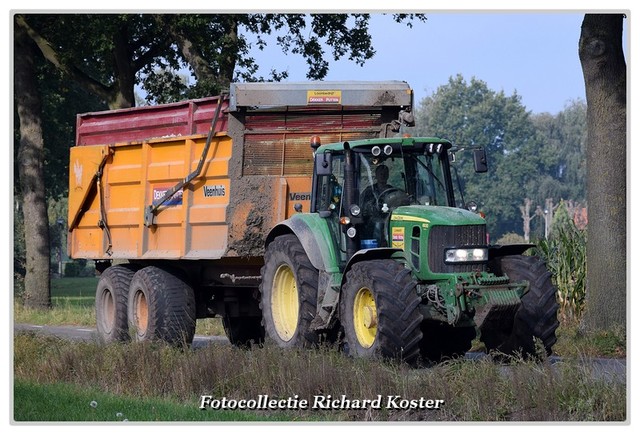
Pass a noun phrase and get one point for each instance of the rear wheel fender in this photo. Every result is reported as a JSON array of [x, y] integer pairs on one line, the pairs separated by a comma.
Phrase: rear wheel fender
[[314, 235]]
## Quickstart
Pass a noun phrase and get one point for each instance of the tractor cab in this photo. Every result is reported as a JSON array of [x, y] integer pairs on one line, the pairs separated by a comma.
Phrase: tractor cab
[[359, 184]]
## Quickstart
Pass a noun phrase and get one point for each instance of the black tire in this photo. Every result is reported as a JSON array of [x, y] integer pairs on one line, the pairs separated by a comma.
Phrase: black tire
[[243, 331], [441, 341], [161, 307], [288, 294], [537, 316], [379, 312], [111, 303]]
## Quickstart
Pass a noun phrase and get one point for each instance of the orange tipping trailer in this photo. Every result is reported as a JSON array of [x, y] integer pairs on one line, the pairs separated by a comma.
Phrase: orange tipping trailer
[[195, 186]]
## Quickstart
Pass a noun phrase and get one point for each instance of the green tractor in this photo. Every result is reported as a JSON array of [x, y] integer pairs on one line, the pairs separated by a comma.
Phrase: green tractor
[[387, 263]]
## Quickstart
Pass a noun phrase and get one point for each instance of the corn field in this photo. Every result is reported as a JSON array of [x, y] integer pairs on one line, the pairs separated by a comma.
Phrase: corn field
[[566, 257]]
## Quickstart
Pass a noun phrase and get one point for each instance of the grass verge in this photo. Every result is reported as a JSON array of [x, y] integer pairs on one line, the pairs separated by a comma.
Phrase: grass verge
[[471, 390], [34, 402]]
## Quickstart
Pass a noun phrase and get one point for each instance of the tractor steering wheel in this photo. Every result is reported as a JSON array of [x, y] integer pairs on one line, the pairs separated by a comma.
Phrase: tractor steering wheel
[[390, 202]]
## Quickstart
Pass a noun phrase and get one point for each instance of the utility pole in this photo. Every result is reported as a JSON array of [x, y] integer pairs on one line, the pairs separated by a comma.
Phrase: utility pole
[[547, 215], [60, 223]]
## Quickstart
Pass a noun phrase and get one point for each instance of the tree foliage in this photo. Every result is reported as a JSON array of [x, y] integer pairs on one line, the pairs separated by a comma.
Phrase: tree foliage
[[110, 54], [529, 156], [565, 138]]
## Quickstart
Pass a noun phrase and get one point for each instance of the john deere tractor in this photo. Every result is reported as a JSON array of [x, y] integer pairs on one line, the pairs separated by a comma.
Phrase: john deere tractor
[[385, 261]]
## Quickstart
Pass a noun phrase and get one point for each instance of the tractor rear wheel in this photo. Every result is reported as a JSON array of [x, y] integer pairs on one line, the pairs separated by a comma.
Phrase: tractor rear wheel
[[111, 303], [379, 311], [161, 307], [288, 293], [537, 316]]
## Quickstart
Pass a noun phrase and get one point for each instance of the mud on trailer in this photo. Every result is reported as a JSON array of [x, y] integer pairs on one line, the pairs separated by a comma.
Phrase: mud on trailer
[[219, 207]]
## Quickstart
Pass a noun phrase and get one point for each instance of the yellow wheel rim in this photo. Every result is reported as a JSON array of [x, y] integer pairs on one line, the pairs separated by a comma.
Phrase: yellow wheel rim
[[365, 317], [284, 303]]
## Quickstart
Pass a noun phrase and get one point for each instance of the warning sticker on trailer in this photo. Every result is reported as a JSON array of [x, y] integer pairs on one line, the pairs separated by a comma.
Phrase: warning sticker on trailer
[[397, 237], [324, 97]]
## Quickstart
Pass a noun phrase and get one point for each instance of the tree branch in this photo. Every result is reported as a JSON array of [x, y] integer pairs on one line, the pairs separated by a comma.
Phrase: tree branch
[[52, 56], [191, 54]]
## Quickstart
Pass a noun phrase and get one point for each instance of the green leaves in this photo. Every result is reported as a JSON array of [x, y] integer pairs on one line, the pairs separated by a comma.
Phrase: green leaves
[[565, 253], [530, 156]]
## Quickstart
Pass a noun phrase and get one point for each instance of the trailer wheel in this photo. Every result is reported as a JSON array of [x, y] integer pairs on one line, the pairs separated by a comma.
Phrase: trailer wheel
[[243, 331], [161, 307], [441, 341], [111, 303], [288, 293], [379, 311], [536, 318]]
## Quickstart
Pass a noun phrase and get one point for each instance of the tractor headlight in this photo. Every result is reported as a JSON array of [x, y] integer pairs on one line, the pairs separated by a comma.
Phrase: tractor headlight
[[466, 255]]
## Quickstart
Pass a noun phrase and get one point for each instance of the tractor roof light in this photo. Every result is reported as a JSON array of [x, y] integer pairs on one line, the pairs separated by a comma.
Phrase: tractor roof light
[[315, 142], [354, 210]]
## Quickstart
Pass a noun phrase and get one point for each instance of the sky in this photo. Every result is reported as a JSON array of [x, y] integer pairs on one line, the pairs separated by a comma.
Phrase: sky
[[534, 54]]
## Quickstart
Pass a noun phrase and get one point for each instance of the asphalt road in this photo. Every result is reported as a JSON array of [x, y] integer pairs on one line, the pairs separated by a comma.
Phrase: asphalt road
[[611, 369], [89, 334]]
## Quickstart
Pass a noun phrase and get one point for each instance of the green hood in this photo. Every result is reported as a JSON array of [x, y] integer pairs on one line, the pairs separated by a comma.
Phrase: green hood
[[436, 215]]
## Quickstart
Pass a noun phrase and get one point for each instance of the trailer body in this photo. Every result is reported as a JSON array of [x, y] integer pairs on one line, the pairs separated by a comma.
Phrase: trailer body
[[258, 166]]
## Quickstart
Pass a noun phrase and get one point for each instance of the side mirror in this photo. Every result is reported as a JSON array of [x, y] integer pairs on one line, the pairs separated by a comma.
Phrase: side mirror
[[323, 164], [480, 160]]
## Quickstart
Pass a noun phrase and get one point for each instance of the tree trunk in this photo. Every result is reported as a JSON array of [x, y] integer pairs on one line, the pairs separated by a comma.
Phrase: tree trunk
[[37, 292], [229, 55], [604, 70], [122, 95], [526, 219]]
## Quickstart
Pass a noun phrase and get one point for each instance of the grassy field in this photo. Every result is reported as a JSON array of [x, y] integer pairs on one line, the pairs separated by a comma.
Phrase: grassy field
[[57, 402], [57, 380], [134, 378]]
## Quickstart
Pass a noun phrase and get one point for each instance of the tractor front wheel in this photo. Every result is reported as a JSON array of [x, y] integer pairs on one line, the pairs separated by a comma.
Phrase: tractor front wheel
[[535, 319], [379, 311]]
